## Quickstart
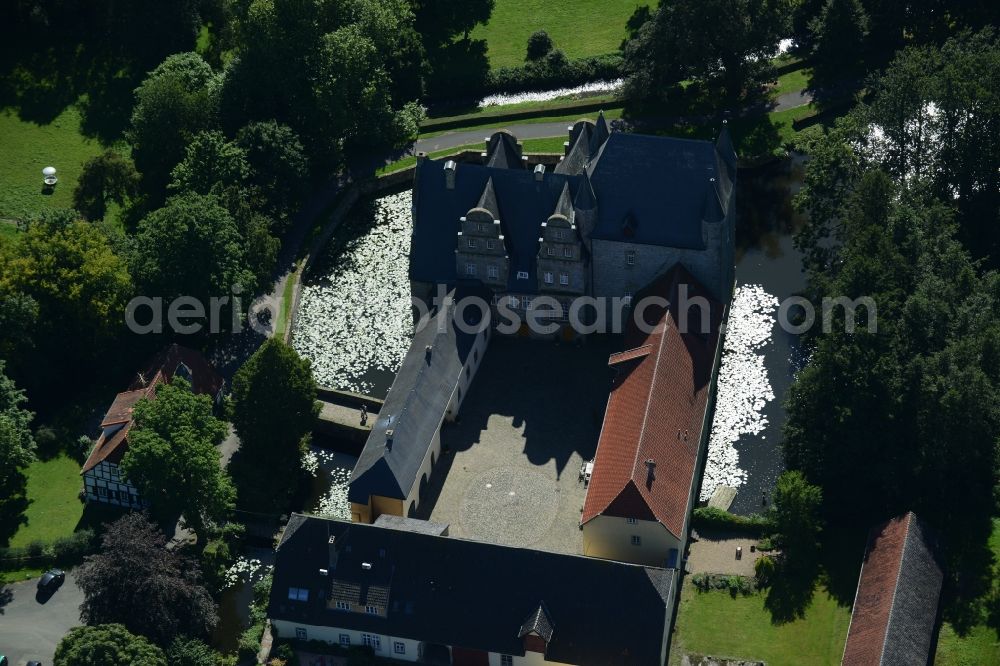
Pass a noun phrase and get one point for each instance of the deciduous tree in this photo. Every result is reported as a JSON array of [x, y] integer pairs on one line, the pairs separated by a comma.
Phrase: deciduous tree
[[106, 645], [136, 582], [274, 410], [172, 457]]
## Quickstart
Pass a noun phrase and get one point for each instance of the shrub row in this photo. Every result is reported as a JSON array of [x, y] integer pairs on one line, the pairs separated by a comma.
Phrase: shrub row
[[733, 583], [64, 550], [709, 516], [553, 71]]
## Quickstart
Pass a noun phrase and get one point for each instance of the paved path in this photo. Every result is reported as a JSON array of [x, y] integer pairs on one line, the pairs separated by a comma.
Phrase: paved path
[[30, 627], [524, 131], [715, 552]]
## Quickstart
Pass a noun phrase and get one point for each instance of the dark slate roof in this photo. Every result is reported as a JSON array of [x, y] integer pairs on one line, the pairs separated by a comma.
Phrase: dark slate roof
[[523, 204], [415, 406], [472, 594], [662, 182], [502, 151], [895, 607], [411, 525], [580, 148], [538, 623]]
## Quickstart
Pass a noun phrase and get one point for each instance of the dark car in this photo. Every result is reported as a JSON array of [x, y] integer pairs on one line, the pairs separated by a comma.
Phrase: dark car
[[3, 661], [51, 580], [34, 663]]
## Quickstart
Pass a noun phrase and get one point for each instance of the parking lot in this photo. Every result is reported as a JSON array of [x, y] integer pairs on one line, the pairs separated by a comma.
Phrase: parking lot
[[532, 417], [31, 625]]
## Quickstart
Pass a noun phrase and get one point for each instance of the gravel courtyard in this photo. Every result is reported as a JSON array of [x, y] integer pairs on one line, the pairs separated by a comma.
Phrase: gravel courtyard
[[532, 417]]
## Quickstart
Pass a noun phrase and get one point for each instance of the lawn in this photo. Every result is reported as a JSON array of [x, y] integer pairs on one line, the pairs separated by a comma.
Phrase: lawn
[[982, 644], [713, 623], [54, 508], [27, 149], [579, 27]]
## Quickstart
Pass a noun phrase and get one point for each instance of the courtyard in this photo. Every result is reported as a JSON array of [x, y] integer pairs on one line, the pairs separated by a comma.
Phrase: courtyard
[[510, 467]]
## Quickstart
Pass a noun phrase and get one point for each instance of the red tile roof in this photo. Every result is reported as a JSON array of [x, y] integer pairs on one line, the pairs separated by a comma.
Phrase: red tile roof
[[163, 366], [111, 446], [895, 606], [656, 412]]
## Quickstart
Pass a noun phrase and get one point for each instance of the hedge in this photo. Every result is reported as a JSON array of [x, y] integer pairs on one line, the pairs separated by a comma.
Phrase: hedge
[[710, 516], [64, 550], [456, 84], [547, 73]]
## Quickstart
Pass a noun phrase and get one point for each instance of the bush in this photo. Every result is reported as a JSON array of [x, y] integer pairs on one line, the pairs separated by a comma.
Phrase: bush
[[765, 568], [539, 45], [72, 548], [249, 643]]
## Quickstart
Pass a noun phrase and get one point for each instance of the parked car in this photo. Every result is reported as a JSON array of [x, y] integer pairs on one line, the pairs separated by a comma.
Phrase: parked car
[[3, 661], [50, 581], [34, 663]]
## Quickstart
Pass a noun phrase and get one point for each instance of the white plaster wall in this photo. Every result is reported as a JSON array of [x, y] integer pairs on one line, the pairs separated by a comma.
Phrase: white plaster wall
[[286, 629], [610, 538]]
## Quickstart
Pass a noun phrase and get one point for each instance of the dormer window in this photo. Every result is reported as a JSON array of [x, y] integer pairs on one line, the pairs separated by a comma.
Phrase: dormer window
[[630, 258], [472, 243], [183, 371], [371, 610], [490, 244], [481, 227], [343, 605], [557, 235], [548, 278], [522, 275], [298, 594], [568, 252]]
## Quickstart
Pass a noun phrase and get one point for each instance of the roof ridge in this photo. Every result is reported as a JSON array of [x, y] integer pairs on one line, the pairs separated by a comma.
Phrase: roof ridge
[[895, 588], [649, 400]]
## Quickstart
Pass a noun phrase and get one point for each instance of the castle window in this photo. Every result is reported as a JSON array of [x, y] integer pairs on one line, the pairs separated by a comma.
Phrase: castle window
[[557, 235], [630, 258], [506, 660], [630, 521], [522, 275], [345, 640], [515, 302], [492, 271], [527, 303], [568, 252], [636, 540], [628, 299], [371, 610], [564, 279], [550, 251], [490, 244], [298, 594], [399, 647], [548, 278], [343, 605], [373, 641], [472, 243], [481, 227], [300, 634], [470, 270]]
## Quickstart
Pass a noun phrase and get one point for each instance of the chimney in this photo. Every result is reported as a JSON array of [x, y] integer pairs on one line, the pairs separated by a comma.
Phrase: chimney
[[332, 543], [366, 566], [539, 172], [650, 470], [449, 174], [323, 572], [421, 156], [388, 438]]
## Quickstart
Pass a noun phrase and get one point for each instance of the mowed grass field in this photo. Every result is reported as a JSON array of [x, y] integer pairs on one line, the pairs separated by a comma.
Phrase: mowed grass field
[[28, 148], [54, 508], [713, 623], [579, 27]]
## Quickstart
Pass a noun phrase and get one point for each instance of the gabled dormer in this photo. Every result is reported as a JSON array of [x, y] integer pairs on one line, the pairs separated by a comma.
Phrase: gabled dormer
[[480, 251], [560, 250], [536, 630]]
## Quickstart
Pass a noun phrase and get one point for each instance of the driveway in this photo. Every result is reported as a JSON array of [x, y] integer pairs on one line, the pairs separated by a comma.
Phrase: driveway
[[31, 628]]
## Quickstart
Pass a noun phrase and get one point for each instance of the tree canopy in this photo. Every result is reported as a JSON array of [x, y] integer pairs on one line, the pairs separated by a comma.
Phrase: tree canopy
[[136, 582], [107, 177], [190, 247], [274, 410], [64, 279], [173, 460], [728, 43], [106, 645]]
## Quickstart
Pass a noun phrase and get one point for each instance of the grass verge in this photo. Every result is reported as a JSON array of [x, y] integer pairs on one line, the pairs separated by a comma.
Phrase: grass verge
[[611, 112], [981, 645], [714, 623]]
